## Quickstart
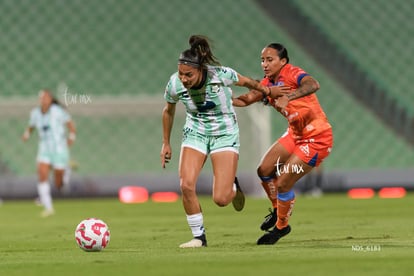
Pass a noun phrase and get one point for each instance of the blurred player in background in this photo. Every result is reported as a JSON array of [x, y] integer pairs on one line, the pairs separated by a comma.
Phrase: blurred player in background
[[211, 128], [50, 120], [307, 141]]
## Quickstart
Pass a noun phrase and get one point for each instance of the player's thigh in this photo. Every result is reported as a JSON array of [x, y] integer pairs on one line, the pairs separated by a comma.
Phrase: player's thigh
[[224, 158], [59, 173], [224, 169], [191, 163], [277, 154], [290, 172]]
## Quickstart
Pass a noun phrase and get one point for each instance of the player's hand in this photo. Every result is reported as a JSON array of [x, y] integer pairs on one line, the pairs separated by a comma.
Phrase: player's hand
[[281, 103], [26, 136], [70, 142], [279, 91], [165, 155]]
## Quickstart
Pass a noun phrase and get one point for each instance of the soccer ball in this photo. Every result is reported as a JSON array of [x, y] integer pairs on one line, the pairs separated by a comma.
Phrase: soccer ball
[[92, 234]]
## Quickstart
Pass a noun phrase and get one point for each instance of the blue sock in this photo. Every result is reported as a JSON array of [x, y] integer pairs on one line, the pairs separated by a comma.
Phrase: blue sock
[[286, 196]]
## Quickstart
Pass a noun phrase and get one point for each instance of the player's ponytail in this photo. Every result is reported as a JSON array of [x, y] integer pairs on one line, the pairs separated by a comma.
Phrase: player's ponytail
[[54, 99], [199, 54], [200, 44], [57, 102]]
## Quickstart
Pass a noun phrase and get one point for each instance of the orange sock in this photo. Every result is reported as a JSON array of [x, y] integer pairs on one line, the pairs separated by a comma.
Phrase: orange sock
[[270, 188], [284, 211]]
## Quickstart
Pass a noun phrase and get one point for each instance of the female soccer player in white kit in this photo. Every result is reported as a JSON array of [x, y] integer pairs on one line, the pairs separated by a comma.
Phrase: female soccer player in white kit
[[50, 120]]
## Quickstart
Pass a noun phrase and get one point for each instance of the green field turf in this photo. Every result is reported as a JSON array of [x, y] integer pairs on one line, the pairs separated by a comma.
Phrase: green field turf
[[331, 235]]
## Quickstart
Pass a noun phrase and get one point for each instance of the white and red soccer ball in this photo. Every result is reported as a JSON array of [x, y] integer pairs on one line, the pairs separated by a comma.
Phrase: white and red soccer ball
[[92, 234]]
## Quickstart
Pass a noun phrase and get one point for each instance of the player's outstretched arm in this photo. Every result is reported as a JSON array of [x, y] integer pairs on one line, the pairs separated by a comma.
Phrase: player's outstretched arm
[[168, 114], [273, 92], [72, 132], [27, 133], [307, 86], [248, 98]]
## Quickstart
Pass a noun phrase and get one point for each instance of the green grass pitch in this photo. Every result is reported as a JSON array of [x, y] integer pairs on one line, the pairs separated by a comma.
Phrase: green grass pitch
[[331, 235]]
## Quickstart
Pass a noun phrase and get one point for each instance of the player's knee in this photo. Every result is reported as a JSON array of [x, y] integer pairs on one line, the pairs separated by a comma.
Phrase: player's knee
[[222, 200], [187, 187], [283, 187], [284, 184], [260, 171], [267, 173]]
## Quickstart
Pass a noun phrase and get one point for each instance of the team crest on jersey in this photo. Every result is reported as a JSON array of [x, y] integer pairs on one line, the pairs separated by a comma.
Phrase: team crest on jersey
[[215, 88]]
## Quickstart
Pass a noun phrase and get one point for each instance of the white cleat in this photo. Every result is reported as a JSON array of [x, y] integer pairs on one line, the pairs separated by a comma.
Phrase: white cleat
[[47, 213], [37, 202], [195, 243]]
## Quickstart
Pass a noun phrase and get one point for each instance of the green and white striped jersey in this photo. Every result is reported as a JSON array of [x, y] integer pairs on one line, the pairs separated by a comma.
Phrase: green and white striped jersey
[[51, 127], [209, 109]]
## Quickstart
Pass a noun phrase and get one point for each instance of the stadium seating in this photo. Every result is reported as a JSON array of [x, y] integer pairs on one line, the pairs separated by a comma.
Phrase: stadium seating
[[377, 36], [128, 49]]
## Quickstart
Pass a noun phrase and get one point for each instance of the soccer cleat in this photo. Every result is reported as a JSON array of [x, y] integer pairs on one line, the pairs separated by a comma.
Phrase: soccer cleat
[[200, 241], [273, 235], [37, 202], [238, 200], [270, 220], [47, 213]]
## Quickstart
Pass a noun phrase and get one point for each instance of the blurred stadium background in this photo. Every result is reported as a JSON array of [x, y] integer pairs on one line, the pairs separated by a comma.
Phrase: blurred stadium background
[[109, 62]]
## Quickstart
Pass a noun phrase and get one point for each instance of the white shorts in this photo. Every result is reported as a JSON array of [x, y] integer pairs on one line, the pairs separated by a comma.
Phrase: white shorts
[[210, 144]]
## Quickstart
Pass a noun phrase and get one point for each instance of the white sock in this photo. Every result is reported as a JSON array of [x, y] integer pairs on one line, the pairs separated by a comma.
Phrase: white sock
[[45, 196], [196, 224]]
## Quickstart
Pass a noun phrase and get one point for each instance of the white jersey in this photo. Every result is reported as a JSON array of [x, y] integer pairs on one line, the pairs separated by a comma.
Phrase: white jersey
[[209, 109], [51, 127]]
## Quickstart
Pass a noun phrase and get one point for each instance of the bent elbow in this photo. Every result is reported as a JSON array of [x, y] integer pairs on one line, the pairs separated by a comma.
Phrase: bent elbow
[[316, 86]]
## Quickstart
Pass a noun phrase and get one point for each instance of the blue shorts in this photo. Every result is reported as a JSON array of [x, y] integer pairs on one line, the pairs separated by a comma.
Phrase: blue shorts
[[210, 144]]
